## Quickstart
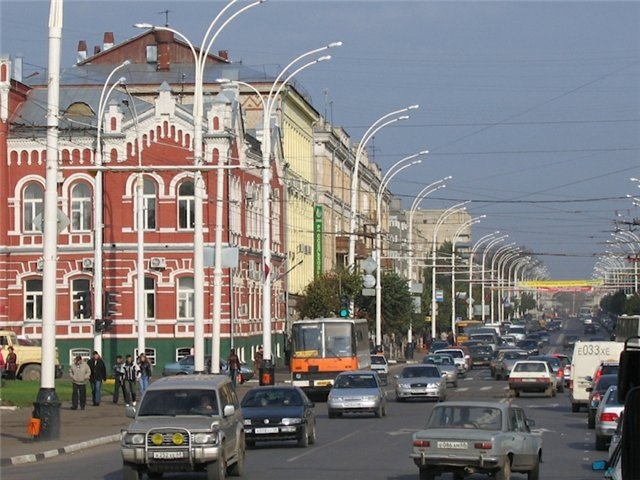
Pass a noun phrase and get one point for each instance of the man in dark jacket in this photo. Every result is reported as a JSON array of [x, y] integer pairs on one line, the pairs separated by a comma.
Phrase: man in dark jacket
[[98, 375]]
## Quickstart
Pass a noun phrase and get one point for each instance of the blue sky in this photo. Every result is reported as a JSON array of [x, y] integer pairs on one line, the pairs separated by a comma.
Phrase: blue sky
[[533, 107]]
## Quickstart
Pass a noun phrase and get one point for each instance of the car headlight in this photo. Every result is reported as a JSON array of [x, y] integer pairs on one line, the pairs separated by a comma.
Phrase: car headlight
[[433, 385], [133, 439], [291, 421], [336, 398], [369, 398], [204, 438], [247, 421], [404, 385]]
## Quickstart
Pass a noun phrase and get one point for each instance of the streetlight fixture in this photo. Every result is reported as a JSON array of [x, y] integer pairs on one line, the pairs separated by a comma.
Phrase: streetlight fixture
[[200, 60], [268, 104], [98, 287], [458, 207], [495, 241], [480, 241], [495, 274], [466, 224], [371, 131], [501, 278], [393, 171], [422, 194]]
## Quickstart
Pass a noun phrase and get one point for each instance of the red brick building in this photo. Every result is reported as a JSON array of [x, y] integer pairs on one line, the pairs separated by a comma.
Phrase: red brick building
[[148, 123]]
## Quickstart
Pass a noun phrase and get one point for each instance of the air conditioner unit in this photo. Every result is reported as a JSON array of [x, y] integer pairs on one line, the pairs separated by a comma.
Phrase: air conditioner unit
[[87, 263], [158, 262], [40, 264]]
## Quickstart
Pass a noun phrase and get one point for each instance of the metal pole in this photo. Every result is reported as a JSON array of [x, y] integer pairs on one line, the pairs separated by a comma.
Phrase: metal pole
[[473, 252], [484, 256]]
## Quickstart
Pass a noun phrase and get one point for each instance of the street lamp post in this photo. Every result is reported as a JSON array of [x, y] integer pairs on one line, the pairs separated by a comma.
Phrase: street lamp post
[[480, 241], [632, 237], [426, 191], [458, 207], [511, 274], [495, 275], [393, 171], [371, 131], [466, 224], [495, 241], [200, 60], [501, 279], [98, 207]]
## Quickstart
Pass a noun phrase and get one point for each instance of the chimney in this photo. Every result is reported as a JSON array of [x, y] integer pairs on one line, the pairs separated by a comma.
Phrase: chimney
[[224, 54], [108, 41], [96, 50], [82, 51], [164, 39]]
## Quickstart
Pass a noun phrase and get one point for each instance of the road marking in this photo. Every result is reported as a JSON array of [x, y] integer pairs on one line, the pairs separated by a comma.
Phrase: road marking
[[404, 431], [485, 388], [316, 448], [462, 389]]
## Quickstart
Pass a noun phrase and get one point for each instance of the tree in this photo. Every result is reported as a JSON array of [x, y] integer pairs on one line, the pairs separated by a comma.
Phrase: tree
[[322, 296], [527, 302], [632, 305], [397, 305]]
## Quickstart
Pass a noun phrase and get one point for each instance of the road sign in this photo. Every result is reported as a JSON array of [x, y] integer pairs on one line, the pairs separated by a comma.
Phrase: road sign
[[440, 296], [368, 292]]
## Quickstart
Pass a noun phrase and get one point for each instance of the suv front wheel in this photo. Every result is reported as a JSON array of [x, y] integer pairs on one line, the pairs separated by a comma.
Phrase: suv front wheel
[[217, 470], [130, 472]]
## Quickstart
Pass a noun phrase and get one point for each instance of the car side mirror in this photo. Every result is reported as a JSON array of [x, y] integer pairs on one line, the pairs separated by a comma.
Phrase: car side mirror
[[530, 422], [229, 410], [130, 411], [589, 389], [589, 378], [396, 377], [311, 405], [444, 374]]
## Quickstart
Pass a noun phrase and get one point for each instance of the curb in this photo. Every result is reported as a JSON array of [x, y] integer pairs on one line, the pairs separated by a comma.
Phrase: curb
[[36, 457]]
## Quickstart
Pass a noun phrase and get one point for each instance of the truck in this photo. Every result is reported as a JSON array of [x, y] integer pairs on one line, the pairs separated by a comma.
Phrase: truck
[[586, 358], [29, 356]]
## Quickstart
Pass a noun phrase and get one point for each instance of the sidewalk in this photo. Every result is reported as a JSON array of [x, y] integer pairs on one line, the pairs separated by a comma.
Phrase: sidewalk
[[79, 429]]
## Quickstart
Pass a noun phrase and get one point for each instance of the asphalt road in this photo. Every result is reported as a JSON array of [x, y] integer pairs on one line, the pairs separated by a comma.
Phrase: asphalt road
[[367, 448]]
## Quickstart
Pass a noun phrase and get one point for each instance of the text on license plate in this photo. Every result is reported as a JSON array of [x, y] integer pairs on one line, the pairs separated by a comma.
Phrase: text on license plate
[[168, 455], [267, 430], [323, 383], [456, 445]]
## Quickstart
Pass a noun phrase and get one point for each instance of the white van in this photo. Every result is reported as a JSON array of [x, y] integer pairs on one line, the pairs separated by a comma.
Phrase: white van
[[586, 358]]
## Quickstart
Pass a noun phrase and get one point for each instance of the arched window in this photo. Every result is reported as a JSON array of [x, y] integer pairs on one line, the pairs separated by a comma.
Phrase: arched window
[[186, 202], [150, 297], [80, 208], [185, 298], [32, 208], [33, 300], [81, 298], [149, 204]]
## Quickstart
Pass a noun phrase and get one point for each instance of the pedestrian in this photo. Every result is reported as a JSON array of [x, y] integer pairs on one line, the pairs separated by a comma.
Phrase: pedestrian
[[233, 362], [257, 360], [80, 374], [98, 375], [130, 374], [11, 364], [118, 377], [145, 372], [2, 363]]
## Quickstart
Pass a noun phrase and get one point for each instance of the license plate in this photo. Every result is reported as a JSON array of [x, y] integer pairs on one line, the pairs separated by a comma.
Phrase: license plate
[[529, 380], [267, 430], [323, 383], [455, 445], [168, 455]]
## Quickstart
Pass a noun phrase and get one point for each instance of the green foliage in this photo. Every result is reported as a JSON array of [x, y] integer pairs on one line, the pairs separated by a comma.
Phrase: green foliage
[[397, 305], [614, 303], [322, 296], [527, 302], [632, 305], [21, 393]]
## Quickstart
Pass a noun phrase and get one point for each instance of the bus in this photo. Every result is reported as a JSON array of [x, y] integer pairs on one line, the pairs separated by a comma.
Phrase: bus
[[324, 347], [627, 326], [464, 327]]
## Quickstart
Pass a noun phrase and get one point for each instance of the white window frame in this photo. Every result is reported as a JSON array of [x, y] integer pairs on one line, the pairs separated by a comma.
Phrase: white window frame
[[85, 353], [81, 208], [150, 353], [150, 296], [33, 300], [32, 208], [75, 297], [185, 300], [186, 202]]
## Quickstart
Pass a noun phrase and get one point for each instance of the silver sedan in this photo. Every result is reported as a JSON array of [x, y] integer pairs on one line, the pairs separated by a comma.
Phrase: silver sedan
[[357, 392], [421, 381], [446, 365]]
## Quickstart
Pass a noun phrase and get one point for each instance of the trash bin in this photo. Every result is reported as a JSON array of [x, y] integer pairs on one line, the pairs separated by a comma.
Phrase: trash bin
[[267, 373]]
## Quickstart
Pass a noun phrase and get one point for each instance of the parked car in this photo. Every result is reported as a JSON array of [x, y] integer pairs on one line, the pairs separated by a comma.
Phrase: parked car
[[596, 392], [421, 381], [277, 413], [186, 366], [607, 416], [380, 365], [556, 366], [532, 376], [446, 365], [477, 437], [481, 355], [186, 423], [505, 362], [356, 392]]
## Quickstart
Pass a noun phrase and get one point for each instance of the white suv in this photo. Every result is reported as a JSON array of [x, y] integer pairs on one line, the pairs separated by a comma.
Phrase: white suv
[[380, 365], [185, 423]]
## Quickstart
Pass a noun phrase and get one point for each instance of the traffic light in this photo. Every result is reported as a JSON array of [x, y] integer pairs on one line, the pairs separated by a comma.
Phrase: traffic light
[[84, 304], [344, 306], [108, 325], [110, 304]]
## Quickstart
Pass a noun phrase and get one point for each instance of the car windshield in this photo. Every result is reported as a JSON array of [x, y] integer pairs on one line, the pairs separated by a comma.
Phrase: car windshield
[[378, 360], [438, 359], [529, 367], [481, 349], [189, 360], [605, 382], [169, 403], [355, 381], [415, 372], [515, 355], [483, 337], [453, 353], [612, 398], [272, 397], [481, 418]]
